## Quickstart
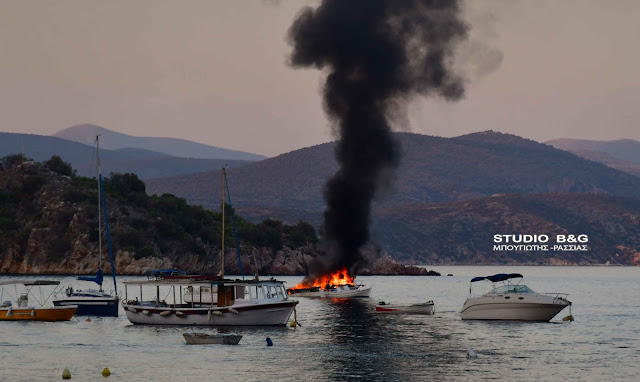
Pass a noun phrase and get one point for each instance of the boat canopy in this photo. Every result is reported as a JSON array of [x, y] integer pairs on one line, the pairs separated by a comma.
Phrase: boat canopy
[[497, 277], [30, 282], [200, 282]]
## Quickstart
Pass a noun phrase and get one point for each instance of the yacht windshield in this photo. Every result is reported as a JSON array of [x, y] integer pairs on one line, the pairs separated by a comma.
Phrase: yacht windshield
[[512, 289]]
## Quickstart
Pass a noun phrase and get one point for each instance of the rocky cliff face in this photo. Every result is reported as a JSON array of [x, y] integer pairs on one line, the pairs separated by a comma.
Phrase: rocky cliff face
[[49, 225]]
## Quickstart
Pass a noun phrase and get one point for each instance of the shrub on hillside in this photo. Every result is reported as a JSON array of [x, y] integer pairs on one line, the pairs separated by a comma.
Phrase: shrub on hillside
[[14, 159], [56, 164]]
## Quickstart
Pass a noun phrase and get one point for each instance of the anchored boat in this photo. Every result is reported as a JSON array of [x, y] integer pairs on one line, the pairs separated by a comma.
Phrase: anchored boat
[[347, 291], [182, 299], [426, 308], [26, 309], [512, 301], [338, 284], [228, 302], [92, 302]]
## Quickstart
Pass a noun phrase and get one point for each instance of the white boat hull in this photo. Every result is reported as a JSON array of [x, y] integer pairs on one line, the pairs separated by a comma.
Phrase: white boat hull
[[261, 315], [339, 292], [347, 293], [514, 306]]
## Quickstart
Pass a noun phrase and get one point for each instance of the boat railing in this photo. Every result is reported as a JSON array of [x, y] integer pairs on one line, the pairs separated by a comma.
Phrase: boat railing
[[556, 296], [159, 274]]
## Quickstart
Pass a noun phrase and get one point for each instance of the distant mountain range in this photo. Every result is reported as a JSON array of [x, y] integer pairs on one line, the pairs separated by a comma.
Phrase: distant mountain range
[[623, 154], [624, 149], [432, 169], [82, 157], [450, 195], [183, 148]]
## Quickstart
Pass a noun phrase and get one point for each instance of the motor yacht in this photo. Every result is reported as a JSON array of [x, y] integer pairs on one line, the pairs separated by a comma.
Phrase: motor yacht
[[509, 299]]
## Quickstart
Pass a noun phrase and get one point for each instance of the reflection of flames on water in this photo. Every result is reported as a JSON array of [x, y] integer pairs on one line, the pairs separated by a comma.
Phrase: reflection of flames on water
[[340, 277]]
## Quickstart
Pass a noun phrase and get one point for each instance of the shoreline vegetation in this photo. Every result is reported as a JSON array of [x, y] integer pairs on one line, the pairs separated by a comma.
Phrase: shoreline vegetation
[[48, 216]]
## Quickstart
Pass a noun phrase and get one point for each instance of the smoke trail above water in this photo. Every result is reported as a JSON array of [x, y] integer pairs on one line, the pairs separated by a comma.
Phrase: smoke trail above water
[[377, 54]]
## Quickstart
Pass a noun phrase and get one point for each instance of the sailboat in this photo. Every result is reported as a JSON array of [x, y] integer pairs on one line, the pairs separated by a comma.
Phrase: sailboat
[[207, 300], [95, 302]]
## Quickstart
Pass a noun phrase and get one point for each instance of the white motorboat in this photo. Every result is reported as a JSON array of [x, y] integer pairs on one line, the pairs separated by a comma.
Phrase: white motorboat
[[347, 291], [338, 284], [424, 308], [512, 301], [208, 339], [332, 291]]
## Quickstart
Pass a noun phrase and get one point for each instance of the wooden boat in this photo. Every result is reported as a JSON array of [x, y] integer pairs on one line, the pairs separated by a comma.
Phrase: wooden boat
[[206, 339], [424, 308], [24, 311], [229, 303], [207, 301]]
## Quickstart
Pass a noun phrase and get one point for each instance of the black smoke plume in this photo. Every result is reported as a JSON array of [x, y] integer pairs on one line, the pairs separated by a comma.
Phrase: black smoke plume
[[377, 55]]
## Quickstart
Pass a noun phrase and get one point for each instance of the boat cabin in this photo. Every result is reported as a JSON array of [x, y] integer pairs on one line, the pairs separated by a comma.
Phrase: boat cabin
[[181, 293]]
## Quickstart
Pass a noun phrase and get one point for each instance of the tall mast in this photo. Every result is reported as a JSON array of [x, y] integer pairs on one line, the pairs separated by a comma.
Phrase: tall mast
[[223, 187], [99, 205]]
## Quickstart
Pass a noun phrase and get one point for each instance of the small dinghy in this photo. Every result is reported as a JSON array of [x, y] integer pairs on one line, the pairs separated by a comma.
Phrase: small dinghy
[[424, 308], [206, 339]]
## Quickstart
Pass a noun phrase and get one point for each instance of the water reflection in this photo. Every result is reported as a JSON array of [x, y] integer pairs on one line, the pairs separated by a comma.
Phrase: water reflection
[[370, 345]]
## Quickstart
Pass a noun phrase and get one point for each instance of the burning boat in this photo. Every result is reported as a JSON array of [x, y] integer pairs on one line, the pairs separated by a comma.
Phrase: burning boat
[[334, 285]]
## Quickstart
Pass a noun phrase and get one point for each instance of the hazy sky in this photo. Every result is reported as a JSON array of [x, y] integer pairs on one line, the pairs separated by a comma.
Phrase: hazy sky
[[215, 71]]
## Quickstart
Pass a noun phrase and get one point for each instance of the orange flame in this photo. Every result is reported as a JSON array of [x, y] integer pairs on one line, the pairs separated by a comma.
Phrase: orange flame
[[340, 277]]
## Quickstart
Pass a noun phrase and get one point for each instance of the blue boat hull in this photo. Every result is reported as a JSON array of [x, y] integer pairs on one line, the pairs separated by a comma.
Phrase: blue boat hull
[[89, 308]]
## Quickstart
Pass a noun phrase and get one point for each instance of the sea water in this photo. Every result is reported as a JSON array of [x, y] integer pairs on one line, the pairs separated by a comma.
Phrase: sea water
[[347, 340]]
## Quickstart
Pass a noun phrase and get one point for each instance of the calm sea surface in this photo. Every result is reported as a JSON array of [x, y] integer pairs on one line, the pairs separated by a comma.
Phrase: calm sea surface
[[348, 340]]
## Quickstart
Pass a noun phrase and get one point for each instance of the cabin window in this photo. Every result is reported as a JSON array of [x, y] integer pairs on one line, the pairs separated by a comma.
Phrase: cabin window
[[512, 289], [253, 291], [240, 292]]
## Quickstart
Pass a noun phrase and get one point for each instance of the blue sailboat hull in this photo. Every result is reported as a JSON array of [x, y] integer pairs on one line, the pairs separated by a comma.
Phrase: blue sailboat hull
[[97, 307]]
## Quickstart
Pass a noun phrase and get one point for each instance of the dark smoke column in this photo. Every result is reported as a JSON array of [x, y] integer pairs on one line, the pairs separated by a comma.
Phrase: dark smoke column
[[379, 53]]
